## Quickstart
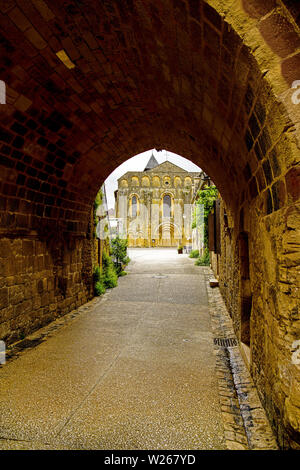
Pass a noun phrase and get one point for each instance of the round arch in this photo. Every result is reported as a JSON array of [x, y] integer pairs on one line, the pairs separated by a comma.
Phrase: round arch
[[134, 205], [167, 199]]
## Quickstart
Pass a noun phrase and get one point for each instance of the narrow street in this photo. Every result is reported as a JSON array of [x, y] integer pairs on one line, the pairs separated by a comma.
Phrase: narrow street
[[134, 369]]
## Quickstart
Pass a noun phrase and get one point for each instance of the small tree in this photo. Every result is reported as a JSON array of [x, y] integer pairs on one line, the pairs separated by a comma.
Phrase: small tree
[[119, 252]]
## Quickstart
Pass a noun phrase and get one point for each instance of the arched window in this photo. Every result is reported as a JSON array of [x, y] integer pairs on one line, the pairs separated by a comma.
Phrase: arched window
[[155, 181], [133, 206], [187, 181], [177, 181], [167, 206], [145, 181], [135, 181]]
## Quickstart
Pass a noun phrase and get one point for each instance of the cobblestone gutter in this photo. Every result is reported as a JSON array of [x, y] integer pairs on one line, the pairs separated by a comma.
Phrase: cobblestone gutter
[[245, 423]]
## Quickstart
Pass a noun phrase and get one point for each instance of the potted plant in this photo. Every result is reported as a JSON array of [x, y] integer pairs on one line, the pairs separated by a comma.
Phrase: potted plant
[[179, 249]]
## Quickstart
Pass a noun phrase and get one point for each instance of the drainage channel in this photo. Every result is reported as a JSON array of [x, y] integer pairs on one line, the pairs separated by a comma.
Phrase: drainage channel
[[238, 395]]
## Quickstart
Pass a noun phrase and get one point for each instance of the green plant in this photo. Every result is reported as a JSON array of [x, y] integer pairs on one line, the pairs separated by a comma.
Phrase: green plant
[[194, 254], [106, 278], [123, 273], [119, 252], [110, 277], [206, 196], [203, 260], [99, 288], [98, 199], [97, 203]]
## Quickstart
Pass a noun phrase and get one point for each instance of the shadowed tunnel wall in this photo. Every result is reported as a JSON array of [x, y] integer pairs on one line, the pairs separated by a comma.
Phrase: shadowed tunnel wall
[[208, 80]]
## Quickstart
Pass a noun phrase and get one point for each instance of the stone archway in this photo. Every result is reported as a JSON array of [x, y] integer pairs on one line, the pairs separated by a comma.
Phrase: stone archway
[[96, 82]]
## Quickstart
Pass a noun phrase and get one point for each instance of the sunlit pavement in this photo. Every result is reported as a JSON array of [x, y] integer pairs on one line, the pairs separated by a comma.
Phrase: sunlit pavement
[[134, 370]]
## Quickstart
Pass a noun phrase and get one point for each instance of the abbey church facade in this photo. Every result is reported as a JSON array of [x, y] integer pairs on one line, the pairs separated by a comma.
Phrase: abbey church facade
[[154, 206]]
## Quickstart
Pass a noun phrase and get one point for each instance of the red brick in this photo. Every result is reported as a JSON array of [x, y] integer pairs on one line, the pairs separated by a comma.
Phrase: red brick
[[19, 19], [6, 5], [35, 38], [43, 9]]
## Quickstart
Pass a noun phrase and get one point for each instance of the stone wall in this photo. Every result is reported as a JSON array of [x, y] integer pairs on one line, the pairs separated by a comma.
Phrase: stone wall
[[275, 319], [40, 281]]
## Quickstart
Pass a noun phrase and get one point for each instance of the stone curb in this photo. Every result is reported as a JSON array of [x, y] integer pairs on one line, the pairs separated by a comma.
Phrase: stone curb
[[245, 422]]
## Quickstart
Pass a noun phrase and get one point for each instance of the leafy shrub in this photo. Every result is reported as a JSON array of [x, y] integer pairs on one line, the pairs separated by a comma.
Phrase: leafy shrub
[[110, 277], [97, 203], [99, 288], [119, 252], [204, 259], [126, 260], [206, 196], [194, 254], [107, 278]]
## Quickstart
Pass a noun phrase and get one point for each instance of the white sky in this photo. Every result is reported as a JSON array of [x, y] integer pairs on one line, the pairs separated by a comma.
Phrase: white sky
[[138, 163]]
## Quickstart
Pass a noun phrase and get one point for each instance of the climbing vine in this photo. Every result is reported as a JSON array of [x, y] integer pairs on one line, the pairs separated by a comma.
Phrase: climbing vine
[[97, 203], [206, 197]]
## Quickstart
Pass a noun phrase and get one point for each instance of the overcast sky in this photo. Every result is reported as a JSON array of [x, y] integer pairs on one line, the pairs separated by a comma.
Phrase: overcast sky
[[138, 163]]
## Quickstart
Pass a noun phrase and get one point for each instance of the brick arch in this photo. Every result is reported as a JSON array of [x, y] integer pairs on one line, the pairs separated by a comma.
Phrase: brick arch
[[59, 143], [208, 80]]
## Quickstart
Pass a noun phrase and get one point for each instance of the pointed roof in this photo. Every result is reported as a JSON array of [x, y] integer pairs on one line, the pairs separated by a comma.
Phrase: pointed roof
[[152, 163], [170, 167]]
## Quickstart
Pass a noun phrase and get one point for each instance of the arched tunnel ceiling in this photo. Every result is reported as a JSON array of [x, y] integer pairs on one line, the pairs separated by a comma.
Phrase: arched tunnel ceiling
[[170, 74]]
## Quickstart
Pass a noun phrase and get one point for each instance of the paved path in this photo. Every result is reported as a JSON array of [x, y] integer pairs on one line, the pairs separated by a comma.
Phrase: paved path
[[134, 369]]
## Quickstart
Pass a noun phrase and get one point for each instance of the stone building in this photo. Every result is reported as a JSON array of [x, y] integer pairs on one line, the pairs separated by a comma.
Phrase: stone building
[[154, 205]]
